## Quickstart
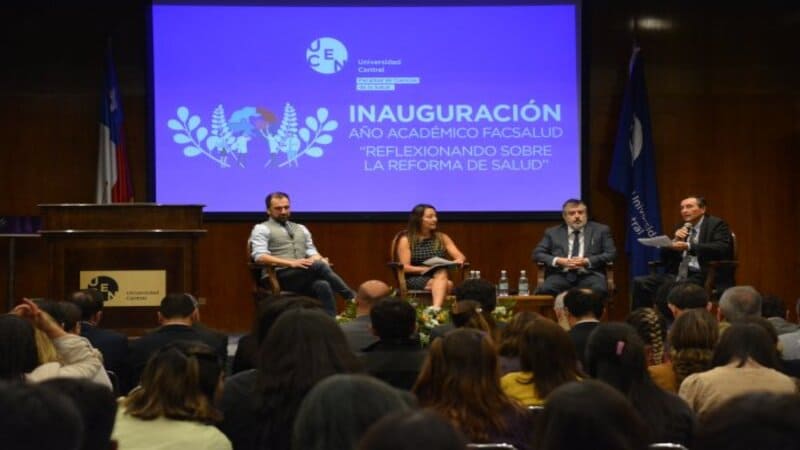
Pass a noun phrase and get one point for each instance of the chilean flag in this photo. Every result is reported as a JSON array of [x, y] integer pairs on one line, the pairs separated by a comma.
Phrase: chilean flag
[[113, 172]]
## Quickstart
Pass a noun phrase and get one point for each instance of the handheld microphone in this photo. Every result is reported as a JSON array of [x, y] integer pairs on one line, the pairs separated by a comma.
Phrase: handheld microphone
[[688, 226]]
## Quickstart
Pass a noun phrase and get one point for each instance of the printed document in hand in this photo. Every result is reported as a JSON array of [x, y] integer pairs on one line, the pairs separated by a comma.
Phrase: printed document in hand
[[437, 263], [658, 241]]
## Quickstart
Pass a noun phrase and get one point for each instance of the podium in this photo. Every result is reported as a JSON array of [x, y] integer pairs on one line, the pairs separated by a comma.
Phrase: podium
[[121, 237]]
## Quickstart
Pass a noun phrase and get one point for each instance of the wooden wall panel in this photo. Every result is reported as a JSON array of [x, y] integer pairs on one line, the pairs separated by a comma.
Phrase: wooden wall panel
[[724, 101]]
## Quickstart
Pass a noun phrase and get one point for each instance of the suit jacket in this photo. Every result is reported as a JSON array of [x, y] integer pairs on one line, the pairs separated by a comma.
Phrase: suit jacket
[[358, 334], [142, 348], [114, 347], [396, 362], [714, 242], [580, 337], [597, 241]]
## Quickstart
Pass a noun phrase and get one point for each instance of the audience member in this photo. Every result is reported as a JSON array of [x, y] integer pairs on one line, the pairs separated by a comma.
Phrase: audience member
[[469, 314], [774, 310], [479, 290], [176, 315], [589, 415], [460, 380], [751, 422], [738, 303], [357, 331], [96, 405], [174, 405], [397, 356], [510, 338], [616, 355], [113, 345], [650, 328], [686, 295], [584, 309], [36, 418], [340, 408], [413, 430], [547, 360], [303, 347], [692, 339], [660, 302], [744, 361], [267, 312]]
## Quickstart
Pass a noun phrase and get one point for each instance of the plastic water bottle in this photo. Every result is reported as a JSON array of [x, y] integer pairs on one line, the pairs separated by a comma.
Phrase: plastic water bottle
[[477, 274], [473, 274], [522, 287], [502, 286]]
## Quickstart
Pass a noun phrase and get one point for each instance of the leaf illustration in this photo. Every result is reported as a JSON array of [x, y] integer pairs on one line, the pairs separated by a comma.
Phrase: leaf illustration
[[322, 114], [267, 115], [191, 151], [314, 152], [311, 123], [181, 138], [324, 139], [194, 121], [330, 126], [212, 143], [288, 128], [202, 132], [304, 134], [183, 113], [175, 125]]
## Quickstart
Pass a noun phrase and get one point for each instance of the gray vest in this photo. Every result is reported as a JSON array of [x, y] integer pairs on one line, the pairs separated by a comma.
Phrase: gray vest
[[281, 245]]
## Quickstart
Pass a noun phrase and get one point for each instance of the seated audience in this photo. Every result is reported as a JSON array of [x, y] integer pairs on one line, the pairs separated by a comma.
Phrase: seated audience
[[173, 407], [421, 242], [686, 295], [479, 290], [96, 405], [692, 339], [176, 314], [616, 355], [113, 345], [751, 421], [357, 331], [303, 347], [547, 360], [583, 415], [744, 361], [738, 303], [413, 430], [584, 309], [774, 310], [650, 328], [510, 338], [340, 408], [397, 356], [19, 359], [267, 312], [37, 418], [469, 314], [460, 381]]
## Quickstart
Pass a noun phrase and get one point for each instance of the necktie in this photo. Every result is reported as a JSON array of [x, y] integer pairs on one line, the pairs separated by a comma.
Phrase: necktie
[[683, 267], [576, 244]]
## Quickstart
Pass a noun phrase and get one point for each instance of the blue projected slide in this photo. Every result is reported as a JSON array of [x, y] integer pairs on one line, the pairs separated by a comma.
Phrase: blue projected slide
[[367, 109]]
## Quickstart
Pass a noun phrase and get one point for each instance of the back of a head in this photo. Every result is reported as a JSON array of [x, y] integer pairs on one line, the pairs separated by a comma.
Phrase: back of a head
[[547, 351], [589, 415], [686, 295], [615, 354], [743, 341], [479, 290], [660, 302], [413, 430], [393, 318], [35, 418], [177, 306], [511, 335], [582, 302], [696, 328], [18, 354], [469, 314], [96, 405], [90, 302], [270, 309], [179, 382], [772, 306], [752, 421], [738, 302], [340, 408], [651, 329]]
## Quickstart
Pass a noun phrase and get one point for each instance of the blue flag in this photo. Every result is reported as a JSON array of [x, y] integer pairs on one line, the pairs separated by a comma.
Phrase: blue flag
[[633, 169]]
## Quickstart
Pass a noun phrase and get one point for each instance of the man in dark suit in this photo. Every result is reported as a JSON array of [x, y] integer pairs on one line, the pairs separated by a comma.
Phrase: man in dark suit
[[584, 309], [113, 345], [575, 253], [700, 238], [177, 314], [358, 331]]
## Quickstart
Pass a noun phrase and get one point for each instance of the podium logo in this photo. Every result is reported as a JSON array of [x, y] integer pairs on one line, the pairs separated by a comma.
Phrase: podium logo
[[106, 285], [326, 55]]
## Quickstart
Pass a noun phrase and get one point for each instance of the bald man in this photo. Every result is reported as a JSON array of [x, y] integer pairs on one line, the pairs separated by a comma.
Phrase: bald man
[[357, 331]]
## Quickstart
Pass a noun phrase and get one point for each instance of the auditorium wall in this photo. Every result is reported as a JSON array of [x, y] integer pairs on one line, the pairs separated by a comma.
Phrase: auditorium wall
[[724, 99]]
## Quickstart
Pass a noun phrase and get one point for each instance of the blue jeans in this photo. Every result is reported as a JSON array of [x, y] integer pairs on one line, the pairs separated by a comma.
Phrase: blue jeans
[[318, 281]]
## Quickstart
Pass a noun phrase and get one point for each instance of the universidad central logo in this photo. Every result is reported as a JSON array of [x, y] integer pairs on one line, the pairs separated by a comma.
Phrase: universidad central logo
[[326, 55]]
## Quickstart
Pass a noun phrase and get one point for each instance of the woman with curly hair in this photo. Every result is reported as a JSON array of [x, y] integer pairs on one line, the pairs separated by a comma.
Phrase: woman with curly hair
[[460, 381], [692, 339]]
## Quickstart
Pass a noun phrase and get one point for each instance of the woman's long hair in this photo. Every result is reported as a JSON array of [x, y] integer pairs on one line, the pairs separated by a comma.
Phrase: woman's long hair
[[179, 382], [743, 341], [650, 327], [415, 226], [692, 339], [547, 351], [18, 353], [460, 380], [303, 347], [511, 335]]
